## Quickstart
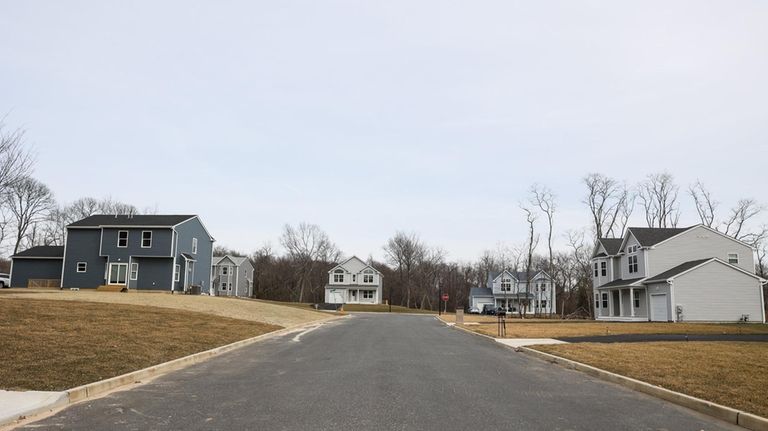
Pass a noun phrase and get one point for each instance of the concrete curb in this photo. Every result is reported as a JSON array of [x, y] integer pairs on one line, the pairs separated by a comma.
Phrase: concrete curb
[[95, 389], [60, 401], [733, 416]]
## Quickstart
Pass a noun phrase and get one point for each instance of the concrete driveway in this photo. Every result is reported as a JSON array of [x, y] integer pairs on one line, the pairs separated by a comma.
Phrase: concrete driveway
[[378, 372]]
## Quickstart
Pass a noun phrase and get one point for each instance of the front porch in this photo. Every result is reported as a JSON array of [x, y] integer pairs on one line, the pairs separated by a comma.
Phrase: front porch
[[622, 304]]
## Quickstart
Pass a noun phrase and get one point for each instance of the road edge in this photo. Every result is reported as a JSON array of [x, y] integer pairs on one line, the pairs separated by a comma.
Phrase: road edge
[[733, 416], [100, 388]]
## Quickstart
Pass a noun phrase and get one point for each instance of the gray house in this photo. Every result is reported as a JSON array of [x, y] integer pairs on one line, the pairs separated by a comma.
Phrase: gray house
[[676, 274], [143, 252], [510, 290], [37, 267], [232, 276]]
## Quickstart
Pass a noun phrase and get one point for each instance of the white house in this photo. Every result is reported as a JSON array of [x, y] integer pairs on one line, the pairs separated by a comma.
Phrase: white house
[[509, 290], [354, 282], [232, 276], [676, 274]]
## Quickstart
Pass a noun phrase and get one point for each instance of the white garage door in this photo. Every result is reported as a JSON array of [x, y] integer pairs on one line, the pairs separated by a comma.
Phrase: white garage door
[[479, 302], [336, 296], [659, 308]]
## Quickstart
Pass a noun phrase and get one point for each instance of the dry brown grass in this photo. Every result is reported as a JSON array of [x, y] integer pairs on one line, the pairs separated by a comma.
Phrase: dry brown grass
[[531, 328], [245, 309], [56, 345], [734, 374]]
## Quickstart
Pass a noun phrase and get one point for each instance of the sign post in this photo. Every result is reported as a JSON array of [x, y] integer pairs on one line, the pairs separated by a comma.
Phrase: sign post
[[444, 297]]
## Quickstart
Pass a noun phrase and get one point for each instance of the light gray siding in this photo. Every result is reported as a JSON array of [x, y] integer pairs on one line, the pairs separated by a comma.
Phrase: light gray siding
[[83, 246], [716, 292], [22, 270], [698, 243]]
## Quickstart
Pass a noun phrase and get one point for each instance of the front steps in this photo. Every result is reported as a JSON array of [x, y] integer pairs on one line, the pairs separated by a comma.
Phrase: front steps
[[112, 288]]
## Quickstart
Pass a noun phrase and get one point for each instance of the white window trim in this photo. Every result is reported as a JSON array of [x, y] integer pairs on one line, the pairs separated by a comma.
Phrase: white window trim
[[194, 245], [127, 234], [737, 258], [134, 271], [85, 266], [150, 239], [176, 273]]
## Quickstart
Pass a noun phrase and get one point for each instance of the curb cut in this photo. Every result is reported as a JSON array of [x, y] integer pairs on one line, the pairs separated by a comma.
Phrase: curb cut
[[728, 414], [92, 390]]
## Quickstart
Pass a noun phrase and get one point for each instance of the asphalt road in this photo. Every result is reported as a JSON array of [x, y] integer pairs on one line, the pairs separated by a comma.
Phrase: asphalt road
[[377, 372]]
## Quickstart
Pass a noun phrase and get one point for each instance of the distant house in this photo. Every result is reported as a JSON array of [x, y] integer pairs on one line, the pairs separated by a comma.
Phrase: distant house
[[143, 252], [509, 290], [37, 267], [232, 276], [676, 274], [354, 282]]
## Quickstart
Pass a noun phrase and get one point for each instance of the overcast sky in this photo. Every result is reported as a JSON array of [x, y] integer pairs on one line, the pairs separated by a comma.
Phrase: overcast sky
[[366, 118]]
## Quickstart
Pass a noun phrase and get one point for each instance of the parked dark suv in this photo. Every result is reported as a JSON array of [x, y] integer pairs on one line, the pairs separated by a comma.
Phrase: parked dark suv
[[489, 309]]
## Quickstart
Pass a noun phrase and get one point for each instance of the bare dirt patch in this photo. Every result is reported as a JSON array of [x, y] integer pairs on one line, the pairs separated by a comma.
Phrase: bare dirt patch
[[734, 374], [56, 345]]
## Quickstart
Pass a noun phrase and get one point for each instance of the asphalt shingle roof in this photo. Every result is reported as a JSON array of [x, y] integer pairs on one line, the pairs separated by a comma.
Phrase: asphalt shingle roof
[[480, 291], [676, 270], [135, 220], [42, 251], [649, 236], [611, 245], [619, 282]]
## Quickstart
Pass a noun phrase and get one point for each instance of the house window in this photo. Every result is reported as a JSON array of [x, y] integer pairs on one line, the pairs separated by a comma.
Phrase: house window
[[82, 266], [506, 284], [596, 273], [122, 239], [176, 273], [632, 249], [194, 245], [637, 298], [597, 300], [367, 294], [543, 303], [605, 300], [604, 268], [368, 276], [223, 286], [230, 286], [146, 239], [134, 271], [338, 276], [224, 270], [354, 278], [733, 258], [632, 264]]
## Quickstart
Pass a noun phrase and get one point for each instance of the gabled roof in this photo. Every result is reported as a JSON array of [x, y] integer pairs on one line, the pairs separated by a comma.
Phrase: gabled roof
[[620, 283], [237, 260], [480, 291], [520, 276], [692, 265], [361, 263], [650, 236], [675, 271], [41, 252], [102, 220], [611, 245]]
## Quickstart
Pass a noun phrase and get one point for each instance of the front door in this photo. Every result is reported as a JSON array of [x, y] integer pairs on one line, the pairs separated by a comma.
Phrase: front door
[[353, 296], [118, 273]]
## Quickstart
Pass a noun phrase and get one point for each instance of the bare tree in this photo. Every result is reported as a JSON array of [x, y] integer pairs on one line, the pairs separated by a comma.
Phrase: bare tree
[[532, 243], [607, 200], [706, 207], [405, 251], [16, 161], [545, 200], [658, 197], [308, 246], [745, 210], [580, 250], [29, 202]]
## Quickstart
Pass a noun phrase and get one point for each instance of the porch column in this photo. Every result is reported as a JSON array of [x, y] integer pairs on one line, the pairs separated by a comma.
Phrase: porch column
[[621, 304], [632, 301]]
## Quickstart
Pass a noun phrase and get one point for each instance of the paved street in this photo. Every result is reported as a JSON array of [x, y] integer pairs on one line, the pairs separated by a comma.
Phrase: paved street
[[378, 372]]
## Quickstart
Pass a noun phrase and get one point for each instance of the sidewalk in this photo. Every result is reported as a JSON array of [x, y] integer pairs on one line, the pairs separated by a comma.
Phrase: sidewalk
[[15, 404]]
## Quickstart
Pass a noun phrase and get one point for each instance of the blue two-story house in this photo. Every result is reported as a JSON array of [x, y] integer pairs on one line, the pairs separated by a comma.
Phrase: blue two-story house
[[142, 252]]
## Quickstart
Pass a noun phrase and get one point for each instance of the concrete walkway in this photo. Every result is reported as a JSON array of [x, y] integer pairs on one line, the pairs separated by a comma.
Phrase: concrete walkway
[[15, 404], [525, 342], [643, 338]]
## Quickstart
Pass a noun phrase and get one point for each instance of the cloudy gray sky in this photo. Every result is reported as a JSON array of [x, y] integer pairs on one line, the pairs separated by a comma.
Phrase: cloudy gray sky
[[370, 117]]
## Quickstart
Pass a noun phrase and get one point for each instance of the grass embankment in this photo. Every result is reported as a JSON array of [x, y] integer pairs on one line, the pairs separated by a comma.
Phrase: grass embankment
[[56, 345], [543, 328], [734, 374]]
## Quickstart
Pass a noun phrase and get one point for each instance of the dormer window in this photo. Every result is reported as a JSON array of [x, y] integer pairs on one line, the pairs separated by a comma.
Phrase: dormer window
[[632, 264], [632, 249], [338, 276], [368, 276]]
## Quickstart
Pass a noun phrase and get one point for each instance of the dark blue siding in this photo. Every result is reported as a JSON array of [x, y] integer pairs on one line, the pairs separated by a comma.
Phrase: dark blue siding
[[154, 273], [25, 269], [161, 244], [83, 246], [202, 270]]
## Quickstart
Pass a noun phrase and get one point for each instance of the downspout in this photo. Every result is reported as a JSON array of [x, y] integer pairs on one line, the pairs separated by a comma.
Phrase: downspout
[[64, 260], [673, 307], [174, 245], [237, 281]]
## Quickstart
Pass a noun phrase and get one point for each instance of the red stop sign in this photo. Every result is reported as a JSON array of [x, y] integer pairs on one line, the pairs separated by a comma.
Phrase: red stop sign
[[445, 297]]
